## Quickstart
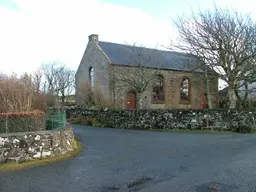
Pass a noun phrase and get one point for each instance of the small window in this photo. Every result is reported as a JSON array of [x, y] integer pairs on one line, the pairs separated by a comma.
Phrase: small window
[[184, 89], [91, 76], [158, 89]]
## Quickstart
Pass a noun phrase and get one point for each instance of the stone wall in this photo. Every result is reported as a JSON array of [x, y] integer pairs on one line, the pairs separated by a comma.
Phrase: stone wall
[[172, 83], [225, 120], [103, 70], [35, 145], [92, 57]]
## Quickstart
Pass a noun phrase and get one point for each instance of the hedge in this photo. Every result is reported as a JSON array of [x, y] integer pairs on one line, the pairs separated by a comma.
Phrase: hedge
[[22, 121]]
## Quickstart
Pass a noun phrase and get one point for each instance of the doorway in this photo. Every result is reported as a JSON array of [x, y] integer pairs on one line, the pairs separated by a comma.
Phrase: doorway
[[131, 100]]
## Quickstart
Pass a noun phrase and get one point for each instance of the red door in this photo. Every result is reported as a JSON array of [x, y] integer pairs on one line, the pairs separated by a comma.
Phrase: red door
[[131, 100], [204, 101]]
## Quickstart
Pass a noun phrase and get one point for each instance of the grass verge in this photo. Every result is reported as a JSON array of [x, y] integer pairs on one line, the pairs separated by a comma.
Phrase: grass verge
[[12, 166], [193, 131]]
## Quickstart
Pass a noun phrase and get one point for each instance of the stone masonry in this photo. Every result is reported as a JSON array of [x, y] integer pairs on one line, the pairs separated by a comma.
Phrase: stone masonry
[[36, 145], [104, 71], [224, 120], [172, 100]]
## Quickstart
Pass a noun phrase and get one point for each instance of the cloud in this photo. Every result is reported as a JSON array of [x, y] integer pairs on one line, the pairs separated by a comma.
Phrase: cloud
[[43, 30]]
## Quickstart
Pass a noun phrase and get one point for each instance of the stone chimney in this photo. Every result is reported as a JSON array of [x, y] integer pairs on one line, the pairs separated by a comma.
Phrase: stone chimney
[[94, 38]]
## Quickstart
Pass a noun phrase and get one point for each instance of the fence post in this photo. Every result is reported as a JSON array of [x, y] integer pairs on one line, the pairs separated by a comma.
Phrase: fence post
[[64, 119]]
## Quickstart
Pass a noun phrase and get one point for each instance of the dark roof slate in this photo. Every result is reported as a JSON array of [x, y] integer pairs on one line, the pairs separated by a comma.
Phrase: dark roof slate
[[120, 54]]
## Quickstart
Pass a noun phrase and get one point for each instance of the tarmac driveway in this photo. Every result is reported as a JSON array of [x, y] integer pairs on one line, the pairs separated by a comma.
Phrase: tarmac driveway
[[124, 160]]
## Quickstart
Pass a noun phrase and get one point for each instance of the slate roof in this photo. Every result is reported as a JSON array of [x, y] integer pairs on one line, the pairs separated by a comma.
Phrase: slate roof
[[120, 54]]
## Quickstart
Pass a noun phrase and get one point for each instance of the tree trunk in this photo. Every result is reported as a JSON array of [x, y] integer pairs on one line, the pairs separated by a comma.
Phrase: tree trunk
[[50, 98], [208, 92], [62, 99], [245, 101], [207, 89], [139, 99], [232, 97]]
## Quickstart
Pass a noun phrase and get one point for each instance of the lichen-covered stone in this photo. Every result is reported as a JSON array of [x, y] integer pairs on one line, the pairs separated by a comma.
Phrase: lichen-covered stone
[[23, 146], [46, 153], [3, 141], [37, 138], [37, 155], [218, 119], [31, 150]]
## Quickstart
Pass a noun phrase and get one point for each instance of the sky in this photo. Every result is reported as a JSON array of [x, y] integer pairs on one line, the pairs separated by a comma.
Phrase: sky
[[33, 32]]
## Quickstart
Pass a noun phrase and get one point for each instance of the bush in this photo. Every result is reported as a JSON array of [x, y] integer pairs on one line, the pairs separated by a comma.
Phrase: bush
[[22, 121], [20, 94], [34, 113], [93, 97]]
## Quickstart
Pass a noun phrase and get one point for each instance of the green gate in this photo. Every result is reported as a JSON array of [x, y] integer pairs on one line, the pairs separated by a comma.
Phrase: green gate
[[55, 120]]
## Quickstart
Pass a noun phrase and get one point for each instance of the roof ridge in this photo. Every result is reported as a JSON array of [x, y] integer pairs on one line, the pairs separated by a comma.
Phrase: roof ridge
[[153, 49], [154, 57], [135, 46]]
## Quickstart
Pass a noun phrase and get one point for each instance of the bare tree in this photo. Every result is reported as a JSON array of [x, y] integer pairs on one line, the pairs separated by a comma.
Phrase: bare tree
[[208, 78], [58, 80], [226, 41], [66, 79], [19, 94], [38, 80], [92, 96], [138, 73], [84, 93]]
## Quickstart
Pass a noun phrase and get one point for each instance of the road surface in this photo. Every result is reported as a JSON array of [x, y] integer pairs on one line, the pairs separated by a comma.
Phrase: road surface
[[115, 160]]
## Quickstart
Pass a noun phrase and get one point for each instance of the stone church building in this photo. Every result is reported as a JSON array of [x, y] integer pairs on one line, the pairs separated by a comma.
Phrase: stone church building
[[179, 82]]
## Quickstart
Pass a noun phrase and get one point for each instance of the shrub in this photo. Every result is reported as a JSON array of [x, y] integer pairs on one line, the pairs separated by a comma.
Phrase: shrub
[[19, 94], [93, 97], [34, 113], [22, 121]]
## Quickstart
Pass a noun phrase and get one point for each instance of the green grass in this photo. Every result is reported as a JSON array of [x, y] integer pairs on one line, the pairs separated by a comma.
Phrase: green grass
[[185, 130], [12, 166], [193, 131]]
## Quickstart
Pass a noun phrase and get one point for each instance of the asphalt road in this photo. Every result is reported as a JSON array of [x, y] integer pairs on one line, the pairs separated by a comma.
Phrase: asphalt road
[[123, 160]]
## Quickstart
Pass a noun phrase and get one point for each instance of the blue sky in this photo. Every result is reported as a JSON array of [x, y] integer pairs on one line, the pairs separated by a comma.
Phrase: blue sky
[[8, 4], [38, 31], [170, 8]]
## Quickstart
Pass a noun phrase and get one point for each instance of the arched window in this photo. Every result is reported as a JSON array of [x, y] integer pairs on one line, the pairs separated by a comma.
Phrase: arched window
[[91, 76], [158, 89], [184, 89]]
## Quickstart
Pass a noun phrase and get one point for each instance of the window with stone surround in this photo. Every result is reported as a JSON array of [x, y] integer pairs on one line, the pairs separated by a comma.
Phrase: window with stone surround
[[91, 76], [158, 89], [185, 89]]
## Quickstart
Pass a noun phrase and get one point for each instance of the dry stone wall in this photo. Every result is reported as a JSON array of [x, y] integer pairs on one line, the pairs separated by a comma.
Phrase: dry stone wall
[[225, 120], [35, 145]]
